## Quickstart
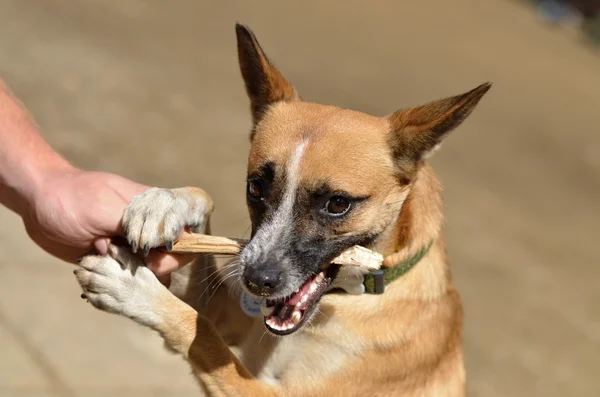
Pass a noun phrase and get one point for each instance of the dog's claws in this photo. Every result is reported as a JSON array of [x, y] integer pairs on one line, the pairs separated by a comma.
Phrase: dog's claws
[[134, 247], [146, 249], [79, 260], [169, 245], [83, 296]]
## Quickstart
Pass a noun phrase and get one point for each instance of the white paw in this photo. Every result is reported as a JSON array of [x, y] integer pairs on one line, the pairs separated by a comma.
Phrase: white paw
[[156, 217], [119, 283]]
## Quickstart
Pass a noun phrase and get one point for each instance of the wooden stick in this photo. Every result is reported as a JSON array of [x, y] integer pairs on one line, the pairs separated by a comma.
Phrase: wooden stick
[[205, 244]]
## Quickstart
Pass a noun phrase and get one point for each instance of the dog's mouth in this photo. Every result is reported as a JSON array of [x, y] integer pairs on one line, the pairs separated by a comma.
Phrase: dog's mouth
[[286, 316]]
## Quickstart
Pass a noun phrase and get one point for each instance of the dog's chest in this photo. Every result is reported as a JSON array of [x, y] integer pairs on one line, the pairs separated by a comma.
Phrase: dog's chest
[[305, 357]]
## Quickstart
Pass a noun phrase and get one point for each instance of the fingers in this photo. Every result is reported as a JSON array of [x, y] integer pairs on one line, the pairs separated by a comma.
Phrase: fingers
[[165, 280], [162, 263], [101, 245]]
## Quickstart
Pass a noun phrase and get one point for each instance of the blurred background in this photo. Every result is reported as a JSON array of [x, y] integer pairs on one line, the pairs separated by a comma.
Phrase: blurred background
[[151, 90]]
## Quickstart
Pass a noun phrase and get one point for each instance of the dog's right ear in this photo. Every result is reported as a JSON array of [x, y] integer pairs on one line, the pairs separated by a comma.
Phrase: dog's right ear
[[265, 84], [418, 132]]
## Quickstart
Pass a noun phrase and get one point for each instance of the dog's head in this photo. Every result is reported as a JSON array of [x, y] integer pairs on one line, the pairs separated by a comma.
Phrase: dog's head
[[322, 179]]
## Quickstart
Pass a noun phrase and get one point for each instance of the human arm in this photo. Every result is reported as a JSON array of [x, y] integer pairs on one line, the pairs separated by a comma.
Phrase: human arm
[[66, 211]]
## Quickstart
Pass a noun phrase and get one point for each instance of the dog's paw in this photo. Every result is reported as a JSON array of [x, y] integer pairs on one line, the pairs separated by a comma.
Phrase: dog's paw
[[119, 283], [156, 217]]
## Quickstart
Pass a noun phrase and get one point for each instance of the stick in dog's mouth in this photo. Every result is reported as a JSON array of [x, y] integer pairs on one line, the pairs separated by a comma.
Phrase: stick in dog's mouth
[[287, 315], [192, 243]]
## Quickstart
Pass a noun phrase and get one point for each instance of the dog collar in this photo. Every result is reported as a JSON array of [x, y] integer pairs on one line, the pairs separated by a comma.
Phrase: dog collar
[[376, 280]]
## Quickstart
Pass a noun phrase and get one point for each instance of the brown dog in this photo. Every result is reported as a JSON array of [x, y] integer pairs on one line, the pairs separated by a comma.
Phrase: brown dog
[[320, 180]]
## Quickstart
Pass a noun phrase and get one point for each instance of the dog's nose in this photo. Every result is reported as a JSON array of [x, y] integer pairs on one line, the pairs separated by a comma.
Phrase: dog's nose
[[263, 281]]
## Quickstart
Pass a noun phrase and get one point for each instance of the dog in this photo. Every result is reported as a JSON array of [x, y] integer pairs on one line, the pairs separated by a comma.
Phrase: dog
[[320, 180]]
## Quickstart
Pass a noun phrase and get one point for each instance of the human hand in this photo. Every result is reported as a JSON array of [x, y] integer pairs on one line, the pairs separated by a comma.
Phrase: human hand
[[66, 211], [73, 212]]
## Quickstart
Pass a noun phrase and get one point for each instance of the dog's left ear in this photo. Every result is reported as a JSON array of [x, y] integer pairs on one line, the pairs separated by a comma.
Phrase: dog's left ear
[[418, 132], [265, 84]]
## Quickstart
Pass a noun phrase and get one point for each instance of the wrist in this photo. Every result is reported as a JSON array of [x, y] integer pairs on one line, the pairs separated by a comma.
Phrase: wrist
[[28, 182], [26, 160]]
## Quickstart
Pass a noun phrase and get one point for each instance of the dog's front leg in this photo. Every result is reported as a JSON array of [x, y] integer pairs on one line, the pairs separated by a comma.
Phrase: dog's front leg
[[120, 284]]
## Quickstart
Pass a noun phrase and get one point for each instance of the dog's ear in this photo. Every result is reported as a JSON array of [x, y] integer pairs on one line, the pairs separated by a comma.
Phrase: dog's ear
[[417, 132], [265, 84]]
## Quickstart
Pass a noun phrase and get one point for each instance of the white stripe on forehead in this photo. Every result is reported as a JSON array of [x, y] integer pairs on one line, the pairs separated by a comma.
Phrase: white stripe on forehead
[[272, 233]]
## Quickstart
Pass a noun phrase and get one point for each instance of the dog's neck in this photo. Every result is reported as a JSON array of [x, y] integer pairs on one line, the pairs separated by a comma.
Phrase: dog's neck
[[418, 227], [419, 222]]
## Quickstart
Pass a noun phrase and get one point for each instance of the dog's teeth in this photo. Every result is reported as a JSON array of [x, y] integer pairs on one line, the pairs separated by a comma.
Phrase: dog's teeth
[[320, 277], [283, 327], [304, 298], [296, 317]]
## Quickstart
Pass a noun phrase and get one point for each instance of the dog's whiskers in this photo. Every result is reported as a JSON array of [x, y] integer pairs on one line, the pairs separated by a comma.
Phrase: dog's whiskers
[[247, 230], [231, 267], [210, 287], [218, 270], [233, 273], [235, 285], [265, 332]]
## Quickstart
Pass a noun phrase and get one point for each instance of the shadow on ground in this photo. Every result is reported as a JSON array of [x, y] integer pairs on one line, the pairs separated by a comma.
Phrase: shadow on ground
[[151, 90]]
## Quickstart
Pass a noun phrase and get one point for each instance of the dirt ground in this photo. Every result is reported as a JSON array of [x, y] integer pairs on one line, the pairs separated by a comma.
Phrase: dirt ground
[[151, 90]]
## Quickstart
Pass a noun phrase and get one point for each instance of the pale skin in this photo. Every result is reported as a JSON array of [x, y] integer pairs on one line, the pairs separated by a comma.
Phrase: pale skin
[[67, 211]]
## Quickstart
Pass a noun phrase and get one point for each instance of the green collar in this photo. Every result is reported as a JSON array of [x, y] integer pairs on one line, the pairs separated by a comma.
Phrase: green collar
[[376, 281]]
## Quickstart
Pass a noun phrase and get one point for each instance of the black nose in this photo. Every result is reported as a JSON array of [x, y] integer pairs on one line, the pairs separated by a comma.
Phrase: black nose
[[262, 281]]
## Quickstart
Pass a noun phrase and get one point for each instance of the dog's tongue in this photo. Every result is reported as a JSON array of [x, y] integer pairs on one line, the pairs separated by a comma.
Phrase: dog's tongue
[[285, 312], [295, 299]]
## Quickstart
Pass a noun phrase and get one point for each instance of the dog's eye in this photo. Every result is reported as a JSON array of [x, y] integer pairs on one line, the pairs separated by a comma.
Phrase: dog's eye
[[255, 190], [337, 205]]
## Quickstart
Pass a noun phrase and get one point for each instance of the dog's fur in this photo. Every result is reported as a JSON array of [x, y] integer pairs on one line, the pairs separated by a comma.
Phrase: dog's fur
[[405, 342]]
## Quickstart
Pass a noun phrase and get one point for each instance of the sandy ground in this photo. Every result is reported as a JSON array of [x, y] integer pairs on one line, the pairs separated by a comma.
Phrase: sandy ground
[[151, 90]]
